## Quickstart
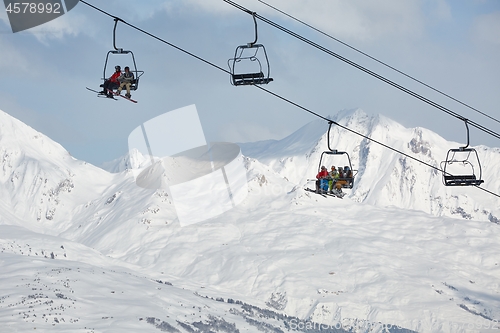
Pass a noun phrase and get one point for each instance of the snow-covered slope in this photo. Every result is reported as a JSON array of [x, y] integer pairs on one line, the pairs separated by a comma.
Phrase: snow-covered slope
[[85, 250], [41, 182]]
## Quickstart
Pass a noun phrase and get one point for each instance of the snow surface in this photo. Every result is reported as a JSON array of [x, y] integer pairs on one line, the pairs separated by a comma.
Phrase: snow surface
[[86, 250]]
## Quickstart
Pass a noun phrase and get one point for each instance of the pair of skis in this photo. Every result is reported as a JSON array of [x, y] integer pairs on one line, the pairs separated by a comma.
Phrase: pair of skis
[[327, 193], [99, 94]]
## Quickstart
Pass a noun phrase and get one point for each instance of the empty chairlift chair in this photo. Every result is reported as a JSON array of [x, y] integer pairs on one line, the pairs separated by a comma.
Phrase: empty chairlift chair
[[246, 67], [462, 166]]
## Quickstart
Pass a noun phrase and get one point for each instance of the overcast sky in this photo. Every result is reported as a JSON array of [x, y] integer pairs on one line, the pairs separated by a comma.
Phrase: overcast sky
[[453, 46]]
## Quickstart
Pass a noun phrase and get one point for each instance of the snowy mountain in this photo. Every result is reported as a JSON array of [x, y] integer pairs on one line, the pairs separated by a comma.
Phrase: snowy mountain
[[86, 250], [385, 178]]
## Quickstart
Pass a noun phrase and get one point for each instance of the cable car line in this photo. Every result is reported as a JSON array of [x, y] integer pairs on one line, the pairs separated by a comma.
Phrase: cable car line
[[278, 96], [366, 70], [379, 61]]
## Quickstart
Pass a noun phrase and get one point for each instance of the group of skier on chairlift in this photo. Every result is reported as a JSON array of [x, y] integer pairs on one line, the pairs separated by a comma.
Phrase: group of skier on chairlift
[[333, 181], [129, 79], [118, 81]]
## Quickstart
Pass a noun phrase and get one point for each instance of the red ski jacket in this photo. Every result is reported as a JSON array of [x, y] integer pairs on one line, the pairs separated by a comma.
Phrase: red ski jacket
[[115, 76], [322, 174]]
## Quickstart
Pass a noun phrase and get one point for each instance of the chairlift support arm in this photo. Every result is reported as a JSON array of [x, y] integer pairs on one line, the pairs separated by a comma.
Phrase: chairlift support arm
[[255, 25], [328, 135], [120, 50], [467, 127]]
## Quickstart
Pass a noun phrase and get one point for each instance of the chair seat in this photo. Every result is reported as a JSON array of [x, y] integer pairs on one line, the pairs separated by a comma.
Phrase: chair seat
[[462, 180]]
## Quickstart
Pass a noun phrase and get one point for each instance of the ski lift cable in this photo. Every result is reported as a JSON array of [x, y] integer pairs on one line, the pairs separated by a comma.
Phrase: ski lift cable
[[366, 70], [379, 61], [276, 95]]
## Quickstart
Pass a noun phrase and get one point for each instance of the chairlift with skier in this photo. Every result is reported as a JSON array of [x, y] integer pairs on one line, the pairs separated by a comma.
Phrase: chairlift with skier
[[335, 158], [346, 173], [133, 69]]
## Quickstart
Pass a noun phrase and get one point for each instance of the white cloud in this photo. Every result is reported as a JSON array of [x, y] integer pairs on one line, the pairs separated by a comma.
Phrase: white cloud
[[441, 10], [357, 19], [354, 19], [12, 59], [69, 24], [486, 28], [249, 132], [217, 6]]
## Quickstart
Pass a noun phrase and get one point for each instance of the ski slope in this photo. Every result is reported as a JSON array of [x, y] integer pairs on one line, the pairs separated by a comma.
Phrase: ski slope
[[86, 250]]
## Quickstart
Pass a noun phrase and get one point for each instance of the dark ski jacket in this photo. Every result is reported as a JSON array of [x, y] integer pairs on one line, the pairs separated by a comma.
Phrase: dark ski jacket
[[126, 77]]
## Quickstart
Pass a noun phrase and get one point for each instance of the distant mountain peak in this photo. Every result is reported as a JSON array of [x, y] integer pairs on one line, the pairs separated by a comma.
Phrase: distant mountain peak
[[17, 136]]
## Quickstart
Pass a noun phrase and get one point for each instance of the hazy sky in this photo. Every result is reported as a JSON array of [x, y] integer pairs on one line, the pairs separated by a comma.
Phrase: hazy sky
[[451, 45]]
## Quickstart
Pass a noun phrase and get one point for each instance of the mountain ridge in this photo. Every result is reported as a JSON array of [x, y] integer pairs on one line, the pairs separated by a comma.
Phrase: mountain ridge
[[282, 249]]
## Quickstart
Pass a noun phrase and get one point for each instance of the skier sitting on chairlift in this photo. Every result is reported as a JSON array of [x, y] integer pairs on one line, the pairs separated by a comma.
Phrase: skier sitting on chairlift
[[125, 80], [343, 174], [111, 83], [322, 179], [347, 172], [333, 177]]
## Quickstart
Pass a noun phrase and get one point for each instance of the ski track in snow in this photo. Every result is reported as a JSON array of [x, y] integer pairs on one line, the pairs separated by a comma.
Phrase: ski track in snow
[[84, 250]]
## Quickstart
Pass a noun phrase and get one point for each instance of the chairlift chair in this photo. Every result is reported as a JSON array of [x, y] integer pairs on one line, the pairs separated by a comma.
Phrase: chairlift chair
[[334, 153], [119, 51], [462, 166], [245, 67], [137, 73]]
